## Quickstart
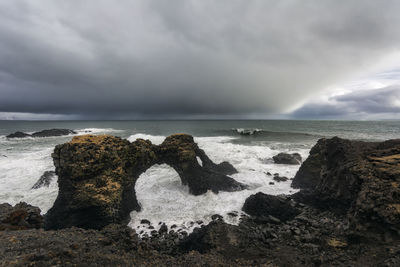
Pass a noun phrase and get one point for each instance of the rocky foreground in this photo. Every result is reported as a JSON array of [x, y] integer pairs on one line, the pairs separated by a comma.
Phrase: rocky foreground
[[347, 212]]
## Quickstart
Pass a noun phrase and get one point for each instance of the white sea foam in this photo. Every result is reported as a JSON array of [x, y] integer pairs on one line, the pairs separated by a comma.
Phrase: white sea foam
[[97, 130], [165, 199], [244, 131], [24, 160], [155, 139], [19, 172], [159, 189]]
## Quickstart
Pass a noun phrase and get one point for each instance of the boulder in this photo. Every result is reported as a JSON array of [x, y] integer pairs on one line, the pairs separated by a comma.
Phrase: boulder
[[280, 178], [44, 180], [20, 217], [217, 237], [53, 132], [361, 179], [97, 176], [263, 205], [18, 135], [285, 158]]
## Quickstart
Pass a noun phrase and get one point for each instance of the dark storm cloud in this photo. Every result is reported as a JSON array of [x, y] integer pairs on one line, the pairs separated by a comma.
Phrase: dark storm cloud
[[146, 58], [369, 102]]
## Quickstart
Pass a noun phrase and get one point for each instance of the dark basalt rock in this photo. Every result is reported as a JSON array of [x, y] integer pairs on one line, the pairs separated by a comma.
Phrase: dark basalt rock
[[53, 132], [285, 158], [44, 180], [18, 135], [361, 179], [217, 237], [280, 178], [263, 205], [20, 217], [44, 133], [96, 179], [97, 176], [181, 152]]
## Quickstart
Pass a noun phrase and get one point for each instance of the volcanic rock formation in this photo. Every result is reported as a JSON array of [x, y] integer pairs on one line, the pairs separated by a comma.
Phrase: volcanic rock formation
[[97, 176], [20, 217], [43, 133], [361, 179]]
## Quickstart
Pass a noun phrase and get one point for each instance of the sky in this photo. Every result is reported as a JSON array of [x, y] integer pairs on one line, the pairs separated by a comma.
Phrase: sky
[[200, 59]]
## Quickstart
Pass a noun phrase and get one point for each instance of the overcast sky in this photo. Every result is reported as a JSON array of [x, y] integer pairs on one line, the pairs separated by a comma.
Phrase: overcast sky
[[199, 59]]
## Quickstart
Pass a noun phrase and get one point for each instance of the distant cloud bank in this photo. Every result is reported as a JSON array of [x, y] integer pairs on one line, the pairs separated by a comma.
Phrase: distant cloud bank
[[192, 58]]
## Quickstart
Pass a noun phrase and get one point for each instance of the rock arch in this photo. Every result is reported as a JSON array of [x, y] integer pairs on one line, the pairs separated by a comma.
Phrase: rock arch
[[97, 176]]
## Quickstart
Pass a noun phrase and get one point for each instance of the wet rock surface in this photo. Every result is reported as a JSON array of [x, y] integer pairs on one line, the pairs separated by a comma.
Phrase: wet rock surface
[[20, 217], [97, 176], [278, 178], [285, 158], [44, 180]]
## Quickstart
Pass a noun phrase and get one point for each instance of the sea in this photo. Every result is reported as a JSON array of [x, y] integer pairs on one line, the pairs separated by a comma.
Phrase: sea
[[248, 145]]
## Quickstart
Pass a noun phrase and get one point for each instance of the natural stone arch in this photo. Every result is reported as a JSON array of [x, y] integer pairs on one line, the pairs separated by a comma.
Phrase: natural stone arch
[[97, 176]]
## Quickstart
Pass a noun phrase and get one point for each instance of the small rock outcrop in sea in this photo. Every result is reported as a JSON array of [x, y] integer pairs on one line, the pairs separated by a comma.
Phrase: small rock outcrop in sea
[[18, 135], [44, 133], [361, 179], [97, 176], [53, 132], [20, 217], [263, 205], [278, 178], [44, 180], [243, 131], [285, 158]]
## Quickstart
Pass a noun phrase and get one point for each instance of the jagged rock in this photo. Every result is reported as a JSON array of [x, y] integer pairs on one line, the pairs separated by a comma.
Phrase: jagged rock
[[53, 132], [20, 217], [97, 176], [181, 152], [163, 229], [264, 205], [145, 221], [280, 178], [18, 135], [44, 180], [285, 158], [360, 178]]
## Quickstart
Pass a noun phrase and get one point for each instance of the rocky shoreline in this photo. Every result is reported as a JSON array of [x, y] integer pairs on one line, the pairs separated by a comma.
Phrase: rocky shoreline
[[347, 212]]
